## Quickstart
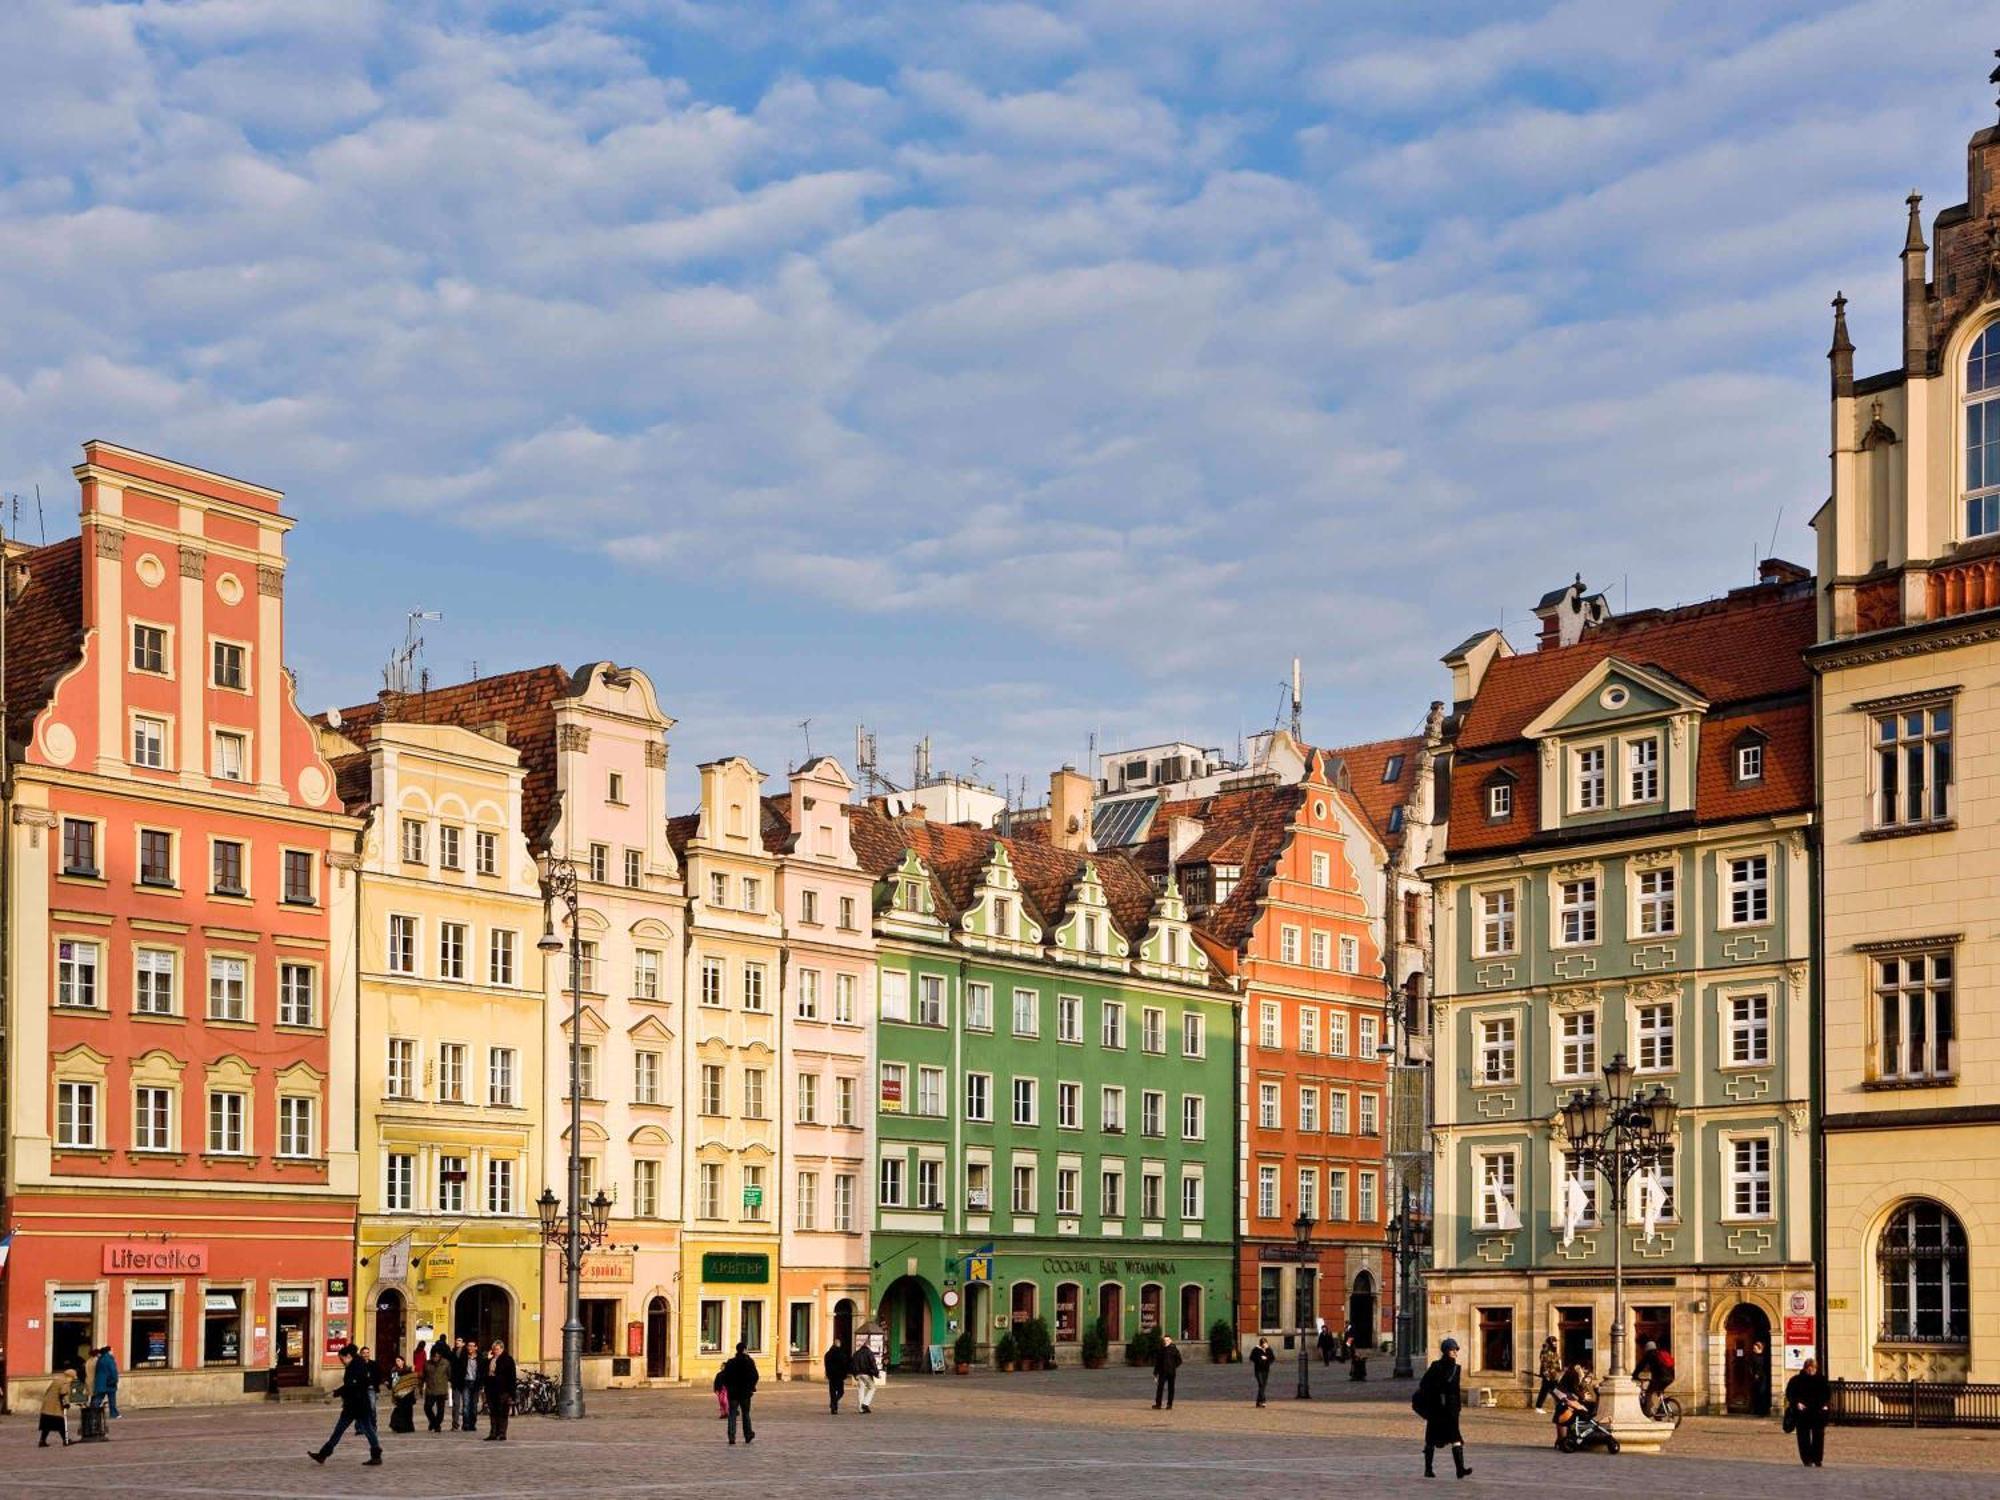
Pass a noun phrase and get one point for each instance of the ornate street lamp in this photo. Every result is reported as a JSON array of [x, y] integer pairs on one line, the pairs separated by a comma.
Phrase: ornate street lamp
[[1615, 1135], [1302, 1233]]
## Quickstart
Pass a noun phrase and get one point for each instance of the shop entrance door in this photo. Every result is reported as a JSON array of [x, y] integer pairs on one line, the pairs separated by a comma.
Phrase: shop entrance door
[[388, 1328], [1746, 1340], [1575, 1332], [656, 1339], [291, 1350]]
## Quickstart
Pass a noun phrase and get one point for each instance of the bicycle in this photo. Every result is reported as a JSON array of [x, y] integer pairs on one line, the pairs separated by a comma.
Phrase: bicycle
[[535, 1395], [1662, 1408]]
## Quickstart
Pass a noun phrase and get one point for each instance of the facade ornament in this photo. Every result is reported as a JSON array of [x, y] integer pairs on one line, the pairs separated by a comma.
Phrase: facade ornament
[[343, 860], [1795, 976], [1575, 869], [1795, 1115], [271, 582], [1677, 728], [194, 562], [1572, 997], [1548, 755], [656, 755], [1653, 859], [110, 543], [573, 737], [1795, 844], [34, 819], [1652, 991]]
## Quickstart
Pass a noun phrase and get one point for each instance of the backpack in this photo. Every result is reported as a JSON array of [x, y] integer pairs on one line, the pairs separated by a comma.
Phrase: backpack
[[1420, 1402]]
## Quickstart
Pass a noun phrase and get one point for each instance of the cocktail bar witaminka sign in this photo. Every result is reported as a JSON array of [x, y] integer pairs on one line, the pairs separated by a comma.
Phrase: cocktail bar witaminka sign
[[155, 1260]]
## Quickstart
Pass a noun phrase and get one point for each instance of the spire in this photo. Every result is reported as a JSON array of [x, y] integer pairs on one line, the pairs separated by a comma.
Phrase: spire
[[1914, 240], [1841, 355], [1916, 296], [1994, 76]]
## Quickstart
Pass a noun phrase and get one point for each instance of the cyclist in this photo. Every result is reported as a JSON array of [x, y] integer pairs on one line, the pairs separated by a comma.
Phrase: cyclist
[[1655, 1372]]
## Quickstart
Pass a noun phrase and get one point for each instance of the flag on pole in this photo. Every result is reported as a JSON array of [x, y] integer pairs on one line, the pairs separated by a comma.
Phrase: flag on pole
[[1575, 1206]]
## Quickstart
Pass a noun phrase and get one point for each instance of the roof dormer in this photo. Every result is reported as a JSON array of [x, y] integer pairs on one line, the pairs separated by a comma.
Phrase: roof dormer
[[1619, 743]]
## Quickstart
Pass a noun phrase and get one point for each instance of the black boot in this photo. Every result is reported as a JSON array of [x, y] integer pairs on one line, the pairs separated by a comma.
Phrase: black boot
[[1429, 1472], [1458, 1460]]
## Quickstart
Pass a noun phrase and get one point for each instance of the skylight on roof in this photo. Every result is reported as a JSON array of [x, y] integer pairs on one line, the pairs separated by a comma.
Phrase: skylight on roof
[[1392, 768]]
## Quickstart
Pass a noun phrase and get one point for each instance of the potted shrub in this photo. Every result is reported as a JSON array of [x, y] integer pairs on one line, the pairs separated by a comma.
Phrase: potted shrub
[[962, 1350], [1006, 1354], [1041, 1343], [1222, 1348], [1096, 1345], [1144, 1345]]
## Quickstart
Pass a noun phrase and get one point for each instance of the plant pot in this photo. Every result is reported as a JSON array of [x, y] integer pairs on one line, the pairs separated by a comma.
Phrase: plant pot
[[1007, 1369], [961, 1369], [1095, 1362]]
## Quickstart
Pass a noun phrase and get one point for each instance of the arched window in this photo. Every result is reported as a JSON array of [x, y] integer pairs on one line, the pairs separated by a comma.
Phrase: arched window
[[1922, 1260], [1982, 434]]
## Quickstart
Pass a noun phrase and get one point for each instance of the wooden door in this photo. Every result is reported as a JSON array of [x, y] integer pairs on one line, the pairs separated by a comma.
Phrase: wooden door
[[1746, 1354]]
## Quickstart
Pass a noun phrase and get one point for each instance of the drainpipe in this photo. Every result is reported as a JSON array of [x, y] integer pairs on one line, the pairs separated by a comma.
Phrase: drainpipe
[[1815, 1032], [6, 921], [780, 1308]]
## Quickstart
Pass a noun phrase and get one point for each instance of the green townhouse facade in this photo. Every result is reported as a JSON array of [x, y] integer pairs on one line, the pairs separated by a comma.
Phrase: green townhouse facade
[[1056, 1105]]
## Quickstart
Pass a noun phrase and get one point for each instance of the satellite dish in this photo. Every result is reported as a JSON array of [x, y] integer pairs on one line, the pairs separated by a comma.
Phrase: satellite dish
[[333, 718]]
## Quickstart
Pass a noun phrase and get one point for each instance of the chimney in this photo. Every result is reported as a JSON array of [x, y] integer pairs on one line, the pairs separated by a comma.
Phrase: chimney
[[1777, 570], [1069, 809], [1182, 835], [1841, 355], [1566, 613], [1916, 297]]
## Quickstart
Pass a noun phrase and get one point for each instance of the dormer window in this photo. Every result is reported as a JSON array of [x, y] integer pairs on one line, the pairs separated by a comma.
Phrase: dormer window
[[1590, 779], [1226, 877], [1746, 764], [1500, 801], [1642, 770], [1982, 434]]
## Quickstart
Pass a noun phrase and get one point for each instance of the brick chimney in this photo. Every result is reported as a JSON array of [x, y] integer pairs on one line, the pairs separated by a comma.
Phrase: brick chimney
[[1069, 809]]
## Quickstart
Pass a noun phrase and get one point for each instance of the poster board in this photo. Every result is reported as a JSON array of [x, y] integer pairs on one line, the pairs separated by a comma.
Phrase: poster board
[[935, 1360]]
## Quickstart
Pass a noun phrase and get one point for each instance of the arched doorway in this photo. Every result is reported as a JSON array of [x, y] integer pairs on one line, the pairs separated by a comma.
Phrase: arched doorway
[[1111, 1310], [1021, 1297], [906, 1320], [843, 1324], [1149, 1306], [1746, 1356], [659, 1335], [1191, 1329], [1361, 1310], [978, 1307], [484, 1312], [1069, 1313], [389, 1312]]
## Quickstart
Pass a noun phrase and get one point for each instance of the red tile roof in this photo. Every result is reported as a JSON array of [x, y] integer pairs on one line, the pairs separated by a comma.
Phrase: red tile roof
[[1246, 827], [1378, 798], [44, 630]]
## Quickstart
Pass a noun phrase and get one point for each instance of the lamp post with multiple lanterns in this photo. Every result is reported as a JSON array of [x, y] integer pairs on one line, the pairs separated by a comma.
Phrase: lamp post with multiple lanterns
[[1302, 1233], [572, 1233]]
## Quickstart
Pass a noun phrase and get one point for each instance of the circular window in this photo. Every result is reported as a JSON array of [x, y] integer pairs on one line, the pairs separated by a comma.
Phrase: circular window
[[1319, 809], [1614, 696]]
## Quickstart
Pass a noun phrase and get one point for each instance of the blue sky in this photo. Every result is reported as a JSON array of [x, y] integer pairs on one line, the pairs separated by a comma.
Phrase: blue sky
[[1004, 372]]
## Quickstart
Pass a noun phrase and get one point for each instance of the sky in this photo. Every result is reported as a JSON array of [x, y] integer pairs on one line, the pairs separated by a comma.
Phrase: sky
[[1006, 373]]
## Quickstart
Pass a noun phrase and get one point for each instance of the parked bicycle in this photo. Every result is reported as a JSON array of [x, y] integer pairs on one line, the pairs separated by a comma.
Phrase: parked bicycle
[[535, 1395]]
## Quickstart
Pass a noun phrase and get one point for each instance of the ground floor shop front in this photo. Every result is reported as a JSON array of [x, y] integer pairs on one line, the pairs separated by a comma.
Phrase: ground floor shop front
[[927, 1289], [201, 1298], [1282, 1288], [450, 1278], [628, 1302], [823, 1306], [730, 1295], [1735, 1335]]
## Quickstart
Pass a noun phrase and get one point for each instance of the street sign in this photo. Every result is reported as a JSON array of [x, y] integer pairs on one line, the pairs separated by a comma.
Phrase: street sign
[[979, 1268]]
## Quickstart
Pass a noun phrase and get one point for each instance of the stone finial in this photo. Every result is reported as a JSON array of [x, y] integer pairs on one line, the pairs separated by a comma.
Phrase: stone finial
[[1914, 240], [1841, 355]]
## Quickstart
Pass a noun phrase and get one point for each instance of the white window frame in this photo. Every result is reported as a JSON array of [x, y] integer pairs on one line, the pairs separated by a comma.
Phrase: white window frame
[[1589, 790], [1755, 890], [1490, 1186], [1499, 1054], [1656, 912], [1750, 1027], [1587, 1042], [1733, 1177], [1586, 908], [1644, 771]]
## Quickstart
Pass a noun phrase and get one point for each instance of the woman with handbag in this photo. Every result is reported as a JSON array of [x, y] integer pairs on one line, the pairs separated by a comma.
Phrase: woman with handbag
[[1808, 1400]]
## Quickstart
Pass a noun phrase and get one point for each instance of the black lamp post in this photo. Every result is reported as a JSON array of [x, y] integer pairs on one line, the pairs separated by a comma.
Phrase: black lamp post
[[1302, 1232], [1614, 1133], [572, 1233]]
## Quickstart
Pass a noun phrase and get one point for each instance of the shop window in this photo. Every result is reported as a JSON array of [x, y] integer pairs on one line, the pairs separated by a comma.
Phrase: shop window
[[799, 1337], [600, 1324], [711, 1326], [1496, 1338], [151, 1340], [222, 1328], [1270, 1296], [752, 1314], [72, 1327]]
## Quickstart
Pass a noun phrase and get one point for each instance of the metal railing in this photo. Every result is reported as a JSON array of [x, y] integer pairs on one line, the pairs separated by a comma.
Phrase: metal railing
[[1914, 1403]]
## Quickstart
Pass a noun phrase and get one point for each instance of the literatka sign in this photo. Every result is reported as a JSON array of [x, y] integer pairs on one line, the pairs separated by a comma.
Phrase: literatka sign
[[156, 1260]]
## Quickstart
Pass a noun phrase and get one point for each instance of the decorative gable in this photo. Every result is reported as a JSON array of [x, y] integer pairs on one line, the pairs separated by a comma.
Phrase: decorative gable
[[1088, 936], [1168, 949], [997, 913], [907, 901]]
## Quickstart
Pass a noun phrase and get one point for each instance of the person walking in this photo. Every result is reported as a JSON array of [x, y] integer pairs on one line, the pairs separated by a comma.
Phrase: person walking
[[500, 1383], [837, 1366], [1550, 1368], [473, 1379], [1438, 1398], [357, 1410], [104, 1382], [1261, 1360], [1166, 1365], [1760, 1379], [437, 1385], [1328, 1344], [738, 1379], [55, 1407], [403, 1383], [1808, 1405], [867, 1376]]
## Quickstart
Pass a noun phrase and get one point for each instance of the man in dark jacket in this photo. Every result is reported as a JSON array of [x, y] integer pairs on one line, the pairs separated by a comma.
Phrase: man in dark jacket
[[1166, 1365], [437, 1384], [473, 1382], [837, 1367], [866, 1372], [499, 1391], [739, 1382], [1327, 1345], [1261, 1360], [1437, 1401], [357, 1409], [1808, 1399]]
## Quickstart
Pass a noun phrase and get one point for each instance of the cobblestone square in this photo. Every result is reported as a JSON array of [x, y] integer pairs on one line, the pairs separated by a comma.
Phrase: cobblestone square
[[1092, 1435]]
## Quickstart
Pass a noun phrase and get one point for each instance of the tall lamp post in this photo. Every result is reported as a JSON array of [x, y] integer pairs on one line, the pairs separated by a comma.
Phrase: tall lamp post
[[1614, 1133], [1409, 1110], [1302, 1232], [572, 1233]]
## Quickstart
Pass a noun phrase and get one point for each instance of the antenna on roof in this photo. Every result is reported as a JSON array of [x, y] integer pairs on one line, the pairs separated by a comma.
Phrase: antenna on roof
[[1298, 704], [1776, 521], [806, 728], [41, 521], [402, 675], [866, 766]]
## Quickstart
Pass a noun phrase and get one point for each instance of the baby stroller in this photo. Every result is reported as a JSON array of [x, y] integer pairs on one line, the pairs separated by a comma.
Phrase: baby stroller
[[1582, 1431]]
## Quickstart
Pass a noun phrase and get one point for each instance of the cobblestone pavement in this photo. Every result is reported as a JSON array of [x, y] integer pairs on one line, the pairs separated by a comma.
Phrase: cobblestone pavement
[[1087, 1434]]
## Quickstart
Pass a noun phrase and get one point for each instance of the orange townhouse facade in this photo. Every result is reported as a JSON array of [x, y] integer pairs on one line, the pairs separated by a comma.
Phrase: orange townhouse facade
[[1284, 885], [179, 894]]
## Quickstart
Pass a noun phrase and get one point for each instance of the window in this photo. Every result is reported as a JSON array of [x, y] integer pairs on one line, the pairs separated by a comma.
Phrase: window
[[753, 1193], [1321, 951], [1003, 917], [1027, 1013], [499, 1186], [1111, 1109], [586, 967], [753, 893], [399, 1181], [500, 956], [809, 908], [228, 989], [1152, 1194], [843, 1203], [846, 910], [843, 999], [805, 1216], [1578, 909], [153, 981], [1112, 1026], [895, 995], [225, 1123], [930, 1091], [413, 841], [1749, 1031], [451, 1072], [1194, 1035], [1190, 1195], [978, 1186], [1642, 771], [1226, 877], [1111, 1191], [711, 1321], [1024, 1101], [1267, 1192], [1367, 1036], [500, 1075], [1350, 955], [1750, 761], [76, 1115], [1336, 1033], [718, 889], [149, 742], [485, 853], [1288, 945], [711, 1088], [226, 867], [1668, 1167], [1194, 1117], [1069, 1106], [979, 1096], [711, 981], [1267, 1025], [1336, 1193], [978, 1006], [79, 847], [893, 1168], [149, 649], [1322, 870], [930, 1184], [152, 1119], [1576, 1044], [614, 787], [227, 659], [1336, 1111], [1369, 1108], [1916, 1022], [1749, 1187], [1309, 1192], [1309, 1109], [753, 986], [449, 847], [1308, 1029], [399, 1077], [1589, 779], [1982, 435], [600, 862], [1152, 1112], [1495, 1171], [1924, 1265], [1268, 1107], [709, 1193], [298, 1132], [296, 1000], [1024, 1188], [297, 865], [156, 857], [1496, 922], [930, 1000], [646, 1190], [1575, 1169], [1655, 1028], [1497, 1050], [1913, 764], [402, 945], [645, 1078], [222, 1327], [1500, 801], [1069, 1190], [451, 950], [1069, 1018], [1749, 890], [1496, 1339], [1154, 1029], [846, 1092], [1656, 891]]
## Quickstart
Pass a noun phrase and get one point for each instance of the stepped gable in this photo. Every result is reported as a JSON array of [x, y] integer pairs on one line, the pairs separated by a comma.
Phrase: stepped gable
[[1377, 799], [524, 702], [44, 630]]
